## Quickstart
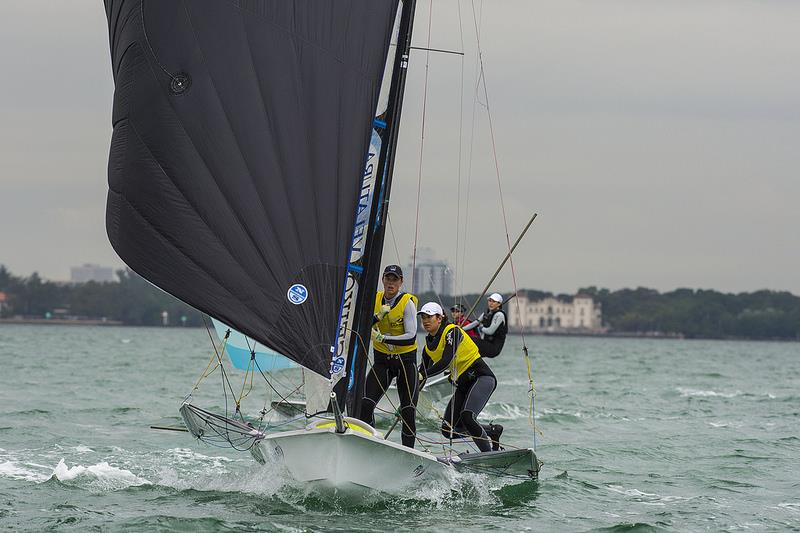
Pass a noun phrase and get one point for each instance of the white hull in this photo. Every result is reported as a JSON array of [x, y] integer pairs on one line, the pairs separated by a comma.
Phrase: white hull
[[353, 461], [356, 460]]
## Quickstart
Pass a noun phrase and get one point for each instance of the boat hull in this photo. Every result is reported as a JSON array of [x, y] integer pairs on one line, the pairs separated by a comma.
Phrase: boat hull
[[511, 464], [352, 461]]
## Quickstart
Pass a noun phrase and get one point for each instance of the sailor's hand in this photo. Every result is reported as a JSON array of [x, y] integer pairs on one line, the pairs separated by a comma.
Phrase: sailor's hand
[[377, 336], [421, 379], [383, 312]]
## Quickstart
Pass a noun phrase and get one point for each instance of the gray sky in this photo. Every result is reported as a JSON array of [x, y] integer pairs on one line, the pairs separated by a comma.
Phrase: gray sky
[[658, 141]]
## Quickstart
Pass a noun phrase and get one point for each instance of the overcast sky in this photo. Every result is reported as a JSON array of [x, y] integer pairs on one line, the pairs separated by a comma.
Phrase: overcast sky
[[659, 141]]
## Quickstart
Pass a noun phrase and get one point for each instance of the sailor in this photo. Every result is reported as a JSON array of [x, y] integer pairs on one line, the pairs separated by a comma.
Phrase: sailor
[[394, 343], [447, 346], [491, 327], [460, 319]]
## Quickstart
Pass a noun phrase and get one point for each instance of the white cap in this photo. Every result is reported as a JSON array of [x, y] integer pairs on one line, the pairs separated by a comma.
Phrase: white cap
[[431, 308], [497, 297]]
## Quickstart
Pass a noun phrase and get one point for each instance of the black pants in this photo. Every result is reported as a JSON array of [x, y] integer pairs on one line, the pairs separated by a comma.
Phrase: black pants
[[467, 402], [488, 348], [384, 370]]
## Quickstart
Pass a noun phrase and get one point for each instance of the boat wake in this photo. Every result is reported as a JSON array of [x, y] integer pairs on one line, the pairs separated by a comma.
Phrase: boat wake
[[100, 477], [504, 411], [185, 470]]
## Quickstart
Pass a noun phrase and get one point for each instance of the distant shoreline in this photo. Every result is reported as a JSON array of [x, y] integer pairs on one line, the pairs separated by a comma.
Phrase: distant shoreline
[[646, 335], [607, 334], [61, 322]]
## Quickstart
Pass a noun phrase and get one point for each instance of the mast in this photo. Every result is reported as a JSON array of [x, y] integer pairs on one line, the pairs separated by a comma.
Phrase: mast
[[388, 128]]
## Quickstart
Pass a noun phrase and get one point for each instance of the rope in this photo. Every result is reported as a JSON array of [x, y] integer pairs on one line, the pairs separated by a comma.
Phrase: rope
[[394, 240], [460, 156], [482, 81], [421, 149]]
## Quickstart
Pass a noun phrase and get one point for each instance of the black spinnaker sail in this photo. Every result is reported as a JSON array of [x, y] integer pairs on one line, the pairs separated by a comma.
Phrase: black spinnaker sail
[[240, 134]]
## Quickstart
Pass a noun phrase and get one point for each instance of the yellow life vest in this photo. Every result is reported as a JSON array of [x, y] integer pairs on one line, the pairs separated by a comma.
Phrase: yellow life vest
[[392, 324], [466, 353]]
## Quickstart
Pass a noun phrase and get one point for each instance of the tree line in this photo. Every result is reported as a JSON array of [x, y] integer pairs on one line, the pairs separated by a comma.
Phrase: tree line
[[701, 313], [131, 300], [687, 312]]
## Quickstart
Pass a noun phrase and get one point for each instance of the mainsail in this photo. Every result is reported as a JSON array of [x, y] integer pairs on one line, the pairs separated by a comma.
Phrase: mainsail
[[240, 133]]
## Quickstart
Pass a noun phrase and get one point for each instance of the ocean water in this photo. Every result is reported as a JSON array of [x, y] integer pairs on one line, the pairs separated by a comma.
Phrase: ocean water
[[636, 435]]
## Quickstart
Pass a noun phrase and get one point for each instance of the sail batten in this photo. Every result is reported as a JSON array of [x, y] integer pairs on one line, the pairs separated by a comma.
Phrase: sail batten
[[240, 129]]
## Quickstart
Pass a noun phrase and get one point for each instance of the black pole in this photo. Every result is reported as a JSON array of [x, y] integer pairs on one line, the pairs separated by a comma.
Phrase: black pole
[[359, 343]]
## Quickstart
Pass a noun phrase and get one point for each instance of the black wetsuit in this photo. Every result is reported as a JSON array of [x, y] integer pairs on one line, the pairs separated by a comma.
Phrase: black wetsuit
[[385, 368], [491, 345], [472, 391]]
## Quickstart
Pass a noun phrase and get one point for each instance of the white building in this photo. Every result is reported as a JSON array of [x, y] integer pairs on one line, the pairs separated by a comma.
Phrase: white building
[[89, 272], [551, 314]]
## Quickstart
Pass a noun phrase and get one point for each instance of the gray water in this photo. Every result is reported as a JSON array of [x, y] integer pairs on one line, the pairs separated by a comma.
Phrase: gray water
[[636, 435]]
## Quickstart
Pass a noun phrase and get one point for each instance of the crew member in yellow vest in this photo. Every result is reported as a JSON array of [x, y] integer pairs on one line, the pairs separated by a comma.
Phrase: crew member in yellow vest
[[394, 343], [447, 346]]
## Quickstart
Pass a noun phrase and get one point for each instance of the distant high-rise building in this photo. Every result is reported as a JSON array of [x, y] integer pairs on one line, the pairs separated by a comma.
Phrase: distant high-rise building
[[89, 272], [431, 274]]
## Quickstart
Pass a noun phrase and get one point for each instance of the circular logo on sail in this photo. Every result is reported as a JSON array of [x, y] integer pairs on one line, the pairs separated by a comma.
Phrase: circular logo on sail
[[297, 294]]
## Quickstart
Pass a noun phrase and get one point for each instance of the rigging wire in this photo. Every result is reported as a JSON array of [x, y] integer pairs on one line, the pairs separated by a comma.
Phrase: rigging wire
[[460, 153], [482, 82], [394, 240], [421, 150], [471, 152]]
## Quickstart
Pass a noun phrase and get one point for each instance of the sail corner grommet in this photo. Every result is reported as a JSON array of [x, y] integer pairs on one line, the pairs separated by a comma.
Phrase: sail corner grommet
[[180, 83]]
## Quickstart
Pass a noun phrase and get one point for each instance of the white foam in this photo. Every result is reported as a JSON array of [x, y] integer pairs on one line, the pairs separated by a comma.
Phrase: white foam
[[222, 474], [186, 455], [14, 470], [792, 507], [467, 486], [647, 498], [101, 475], [686, 392], [506, 412], [632, 492]]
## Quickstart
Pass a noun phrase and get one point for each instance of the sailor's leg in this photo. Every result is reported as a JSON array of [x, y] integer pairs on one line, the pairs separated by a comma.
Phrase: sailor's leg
[[407, 391], [474, 403], [451, 415], [377, 382]]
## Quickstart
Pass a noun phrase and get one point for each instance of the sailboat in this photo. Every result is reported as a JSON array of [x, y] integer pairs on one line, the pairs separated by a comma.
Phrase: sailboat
[[238, 184]]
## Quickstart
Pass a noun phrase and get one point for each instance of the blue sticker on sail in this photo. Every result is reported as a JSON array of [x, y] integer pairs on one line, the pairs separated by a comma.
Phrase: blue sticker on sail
[[337, 365], [297, 294]]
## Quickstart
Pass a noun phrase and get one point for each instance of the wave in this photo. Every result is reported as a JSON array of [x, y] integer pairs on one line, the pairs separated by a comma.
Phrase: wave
[[630, 527], [504, 411], [101, 476], [650, 498], [186, 470], [687, 392], [23, 471]]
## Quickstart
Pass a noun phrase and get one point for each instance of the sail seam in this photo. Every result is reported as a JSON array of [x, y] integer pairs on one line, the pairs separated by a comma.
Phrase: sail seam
[[258, 250], [268, 123], [188, 203]]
